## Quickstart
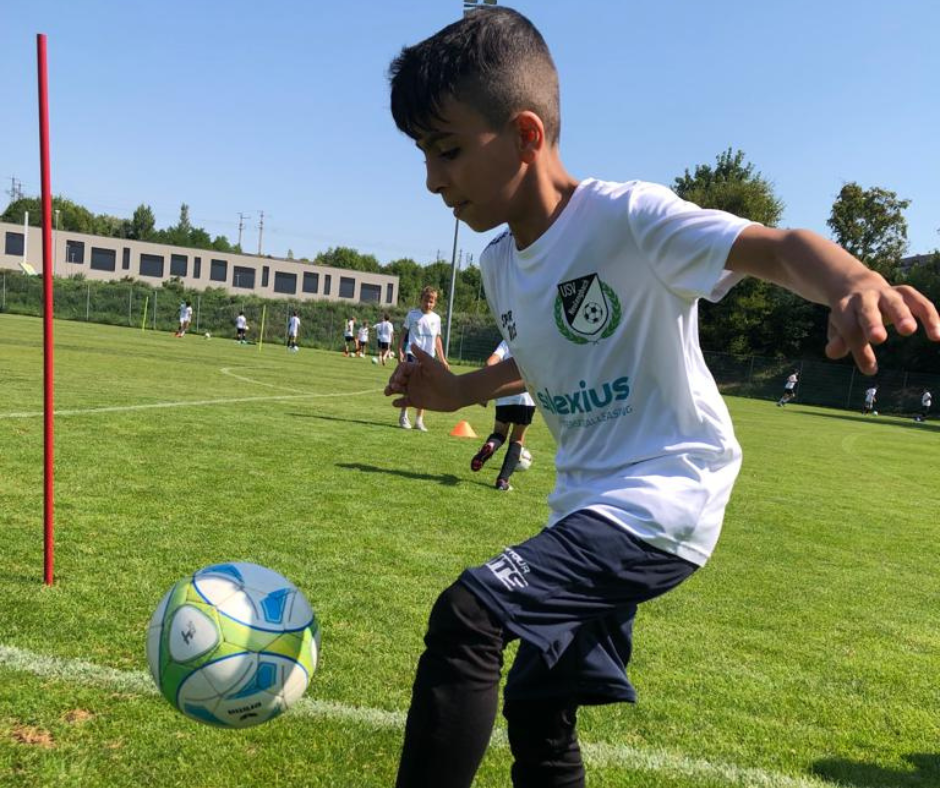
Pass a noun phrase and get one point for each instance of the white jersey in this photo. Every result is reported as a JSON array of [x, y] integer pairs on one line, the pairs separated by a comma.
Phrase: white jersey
[[293, 325], [791, 383], [241, 323], [870, 395], [182, 312], [422, 330], [503, 351], [364, 333], [384, 331], [601, 316], [926, 400], [348, 330]]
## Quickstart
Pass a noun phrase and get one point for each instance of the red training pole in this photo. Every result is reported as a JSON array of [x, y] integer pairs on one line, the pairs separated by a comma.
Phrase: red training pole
[[48, 399]]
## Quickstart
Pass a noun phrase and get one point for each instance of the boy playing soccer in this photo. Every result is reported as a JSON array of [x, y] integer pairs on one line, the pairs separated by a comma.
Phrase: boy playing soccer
[[513, 412], [293, 329], [421, 329], [595, 287]]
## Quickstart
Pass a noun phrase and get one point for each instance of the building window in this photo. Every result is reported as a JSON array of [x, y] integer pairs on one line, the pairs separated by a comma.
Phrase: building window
[[311, 282], [327, 281], [15, 243], [284, 283], [265, 272], [218, 270], [179, 264], [389, 293], [370, 293], [347, 287], [197, 267], [243, 277], [103, 259], [126, 259], [151, 265], [75, 252]]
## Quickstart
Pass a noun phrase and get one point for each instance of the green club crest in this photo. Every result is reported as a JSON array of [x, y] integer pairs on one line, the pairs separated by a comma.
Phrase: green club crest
[[586, 310]]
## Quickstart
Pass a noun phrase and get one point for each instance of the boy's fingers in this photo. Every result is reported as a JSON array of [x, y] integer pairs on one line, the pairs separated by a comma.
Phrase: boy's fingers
[[919, 307]]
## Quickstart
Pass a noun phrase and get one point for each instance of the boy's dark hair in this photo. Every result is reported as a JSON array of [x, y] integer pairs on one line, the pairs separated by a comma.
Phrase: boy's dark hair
[[493, 60]]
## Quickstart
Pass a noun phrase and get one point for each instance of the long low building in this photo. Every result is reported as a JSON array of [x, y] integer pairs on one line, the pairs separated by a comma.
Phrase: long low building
[[98, 257]]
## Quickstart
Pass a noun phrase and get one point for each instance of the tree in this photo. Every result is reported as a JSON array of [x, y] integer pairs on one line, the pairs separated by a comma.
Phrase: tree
[[732, 186], [350, 259], [143, 223], [870, 224]]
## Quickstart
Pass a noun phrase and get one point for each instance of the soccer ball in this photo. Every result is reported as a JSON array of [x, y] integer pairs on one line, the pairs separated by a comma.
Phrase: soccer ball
[[375, 360], [233, 645], [874, 413], [208, 335], [525, 460], [593, 312]]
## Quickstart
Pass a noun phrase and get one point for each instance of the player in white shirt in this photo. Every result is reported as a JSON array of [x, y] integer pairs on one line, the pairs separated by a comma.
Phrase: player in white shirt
[[362, 341], [871, 396], [926, 400], [595, 288], [186, 317], [293, 329], [241, 328], [384, 331], [349, 335], [422, 330], [513, 413], [789, 388]]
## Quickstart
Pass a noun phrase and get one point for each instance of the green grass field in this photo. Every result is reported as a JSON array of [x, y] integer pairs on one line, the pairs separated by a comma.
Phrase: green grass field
[[805, 654]]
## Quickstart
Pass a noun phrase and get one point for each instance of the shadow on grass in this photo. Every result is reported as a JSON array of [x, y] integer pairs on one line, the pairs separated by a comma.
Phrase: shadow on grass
[[925, 771], [884, 421], [447, 479], [391, 425]]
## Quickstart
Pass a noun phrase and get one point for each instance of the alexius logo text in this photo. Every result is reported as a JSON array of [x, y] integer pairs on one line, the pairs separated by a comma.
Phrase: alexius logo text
[[585, 399]]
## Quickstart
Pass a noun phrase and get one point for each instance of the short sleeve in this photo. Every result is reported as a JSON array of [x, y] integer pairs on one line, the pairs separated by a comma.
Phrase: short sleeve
[[686, 246]]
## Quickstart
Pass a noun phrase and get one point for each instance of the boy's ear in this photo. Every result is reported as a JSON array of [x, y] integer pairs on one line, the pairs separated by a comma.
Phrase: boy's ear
[[530, 134]]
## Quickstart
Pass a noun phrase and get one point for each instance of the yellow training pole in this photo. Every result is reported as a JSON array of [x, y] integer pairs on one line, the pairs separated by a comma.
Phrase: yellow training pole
[[264, 311], [143, 321]]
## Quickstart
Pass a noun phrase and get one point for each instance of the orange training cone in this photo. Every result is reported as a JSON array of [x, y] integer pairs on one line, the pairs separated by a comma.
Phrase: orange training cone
[[463, 430]]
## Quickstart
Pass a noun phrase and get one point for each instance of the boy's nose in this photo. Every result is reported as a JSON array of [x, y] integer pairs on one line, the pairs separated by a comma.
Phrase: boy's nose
[[434, 179]]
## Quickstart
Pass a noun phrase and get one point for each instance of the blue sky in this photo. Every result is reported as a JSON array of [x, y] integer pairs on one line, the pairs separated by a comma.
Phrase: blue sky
[[238, 107]]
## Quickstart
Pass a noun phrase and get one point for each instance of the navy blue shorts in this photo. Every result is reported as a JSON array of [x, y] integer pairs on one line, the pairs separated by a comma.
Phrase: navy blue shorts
[[570, 594]]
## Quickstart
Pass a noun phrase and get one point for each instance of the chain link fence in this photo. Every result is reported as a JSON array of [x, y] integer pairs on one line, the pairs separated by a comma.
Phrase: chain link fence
[[473, 337]]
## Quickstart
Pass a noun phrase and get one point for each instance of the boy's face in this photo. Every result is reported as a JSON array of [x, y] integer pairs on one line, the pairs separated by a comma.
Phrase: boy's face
[[476, 170], [428, 301]]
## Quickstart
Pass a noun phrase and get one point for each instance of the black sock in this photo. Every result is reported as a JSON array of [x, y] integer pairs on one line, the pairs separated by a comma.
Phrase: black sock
[[511, 460], [497, 440]]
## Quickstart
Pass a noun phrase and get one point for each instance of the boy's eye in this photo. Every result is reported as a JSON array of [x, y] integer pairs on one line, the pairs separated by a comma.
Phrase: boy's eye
[[450, 154]]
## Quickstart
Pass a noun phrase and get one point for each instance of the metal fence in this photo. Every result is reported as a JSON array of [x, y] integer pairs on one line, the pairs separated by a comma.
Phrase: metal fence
[[137, 305], [473, 339]]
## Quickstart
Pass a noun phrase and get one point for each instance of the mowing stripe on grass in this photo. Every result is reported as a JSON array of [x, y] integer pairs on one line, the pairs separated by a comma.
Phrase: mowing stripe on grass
[[184, 404], [596, 755]]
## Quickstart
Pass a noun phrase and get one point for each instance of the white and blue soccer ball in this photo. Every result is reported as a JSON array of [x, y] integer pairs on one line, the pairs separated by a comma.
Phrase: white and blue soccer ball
[[525, 460], [208, 335], [233, 645]]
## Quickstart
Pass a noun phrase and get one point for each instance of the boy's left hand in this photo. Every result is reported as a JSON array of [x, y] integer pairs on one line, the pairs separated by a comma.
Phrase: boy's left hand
[[858, 320]]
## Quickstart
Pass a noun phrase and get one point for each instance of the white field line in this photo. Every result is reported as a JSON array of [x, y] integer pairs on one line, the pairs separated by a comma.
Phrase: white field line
[[184, 404], [596, 755]]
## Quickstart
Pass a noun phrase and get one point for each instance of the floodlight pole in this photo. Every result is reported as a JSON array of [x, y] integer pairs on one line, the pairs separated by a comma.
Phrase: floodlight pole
[[48, 367], [453, 281]]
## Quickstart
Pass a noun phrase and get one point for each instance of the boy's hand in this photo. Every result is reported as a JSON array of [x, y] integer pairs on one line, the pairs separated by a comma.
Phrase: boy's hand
[[426, 383], [858, 320]]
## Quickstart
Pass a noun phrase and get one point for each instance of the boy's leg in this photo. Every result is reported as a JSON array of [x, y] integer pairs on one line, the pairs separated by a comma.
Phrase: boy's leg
[[490, 446], [544, 743], [455, 694], [510, 461]]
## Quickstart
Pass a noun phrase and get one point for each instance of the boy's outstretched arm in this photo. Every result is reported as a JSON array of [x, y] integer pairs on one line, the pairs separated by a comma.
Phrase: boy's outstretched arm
[[861, 302], [428, 384]]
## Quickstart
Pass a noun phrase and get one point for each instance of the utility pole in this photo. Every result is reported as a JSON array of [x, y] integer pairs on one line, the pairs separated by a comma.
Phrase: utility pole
[[260, 232], [241, 226], [16, 189]]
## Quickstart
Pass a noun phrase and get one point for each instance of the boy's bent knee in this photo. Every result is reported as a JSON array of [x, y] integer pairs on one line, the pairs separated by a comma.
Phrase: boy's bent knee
[[461, 625], [544, 742]]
